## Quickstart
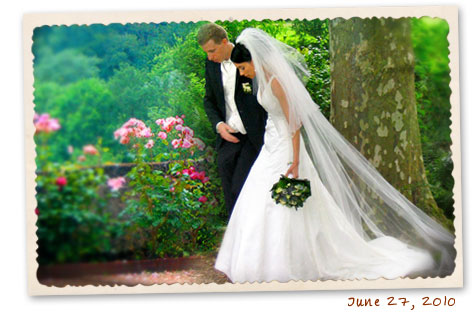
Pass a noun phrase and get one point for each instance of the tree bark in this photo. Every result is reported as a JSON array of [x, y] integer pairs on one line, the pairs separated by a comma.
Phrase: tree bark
[[373, 101]]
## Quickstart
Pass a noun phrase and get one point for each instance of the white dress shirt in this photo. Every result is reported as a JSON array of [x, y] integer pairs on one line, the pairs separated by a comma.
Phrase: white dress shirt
[[228, 72]]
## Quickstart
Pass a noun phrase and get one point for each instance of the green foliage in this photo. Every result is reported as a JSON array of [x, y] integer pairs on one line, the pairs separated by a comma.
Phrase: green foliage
[[172, 222], [316, 51], [65, 67], [113, 44], [432, 78], [131, 92], [73, 224], [45, 94], [88, 108], [173, 212], [178, 77]]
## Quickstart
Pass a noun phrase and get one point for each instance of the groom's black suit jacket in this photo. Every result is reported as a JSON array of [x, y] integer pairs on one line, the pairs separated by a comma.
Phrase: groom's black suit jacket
[[252, 114]]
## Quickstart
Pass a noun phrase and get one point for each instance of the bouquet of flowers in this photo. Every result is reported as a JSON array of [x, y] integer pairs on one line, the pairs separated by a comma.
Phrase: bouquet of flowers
[[291, 192]]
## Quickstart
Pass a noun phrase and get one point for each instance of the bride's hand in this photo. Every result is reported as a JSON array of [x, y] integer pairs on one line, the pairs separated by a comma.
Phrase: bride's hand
[[294, 170]]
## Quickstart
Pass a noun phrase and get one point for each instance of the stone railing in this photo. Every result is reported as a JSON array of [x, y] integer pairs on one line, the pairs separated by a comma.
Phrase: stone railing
[[121, 169]]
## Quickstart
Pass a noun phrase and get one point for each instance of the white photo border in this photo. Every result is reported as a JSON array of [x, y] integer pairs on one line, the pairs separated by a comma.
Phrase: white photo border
[[31, 21]]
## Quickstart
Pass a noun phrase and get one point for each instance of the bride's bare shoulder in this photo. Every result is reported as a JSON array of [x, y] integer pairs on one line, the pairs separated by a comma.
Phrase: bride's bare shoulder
[[276, 87]]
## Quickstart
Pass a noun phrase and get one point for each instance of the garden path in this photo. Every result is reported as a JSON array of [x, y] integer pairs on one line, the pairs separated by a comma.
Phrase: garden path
[[193, 269]]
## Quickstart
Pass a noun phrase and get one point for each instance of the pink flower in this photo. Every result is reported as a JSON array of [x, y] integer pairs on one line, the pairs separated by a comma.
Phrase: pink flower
[[132, 128], [43, 123], [176, 143], [149, 144], [37, 211], [198, 175], [189, 131], [145, 133], [116, 183], [90, 149], [203, 199], [168, 123], [205, 180], [187, 172], [61, 181], [134, 122], [124, 140], [179, 120], [187, 144], [121, 132], [70, 149], [170, 120], [81, 158], [172, 189], [162, 135], [54, 125]]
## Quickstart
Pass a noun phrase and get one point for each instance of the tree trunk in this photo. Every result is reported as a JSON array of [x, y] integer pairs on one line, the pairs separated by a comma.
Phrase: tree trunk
[[373, 101]]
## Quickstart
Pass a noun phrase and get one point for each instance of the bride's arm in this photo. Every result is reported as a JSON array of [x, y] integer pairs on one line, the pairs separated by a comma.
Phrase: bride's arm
[[278, 91]]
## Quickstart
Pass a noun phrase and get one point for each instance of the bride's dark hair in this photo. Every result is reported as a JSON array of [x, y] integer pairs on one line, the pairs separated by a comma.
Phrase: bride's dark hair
[[240, 54]]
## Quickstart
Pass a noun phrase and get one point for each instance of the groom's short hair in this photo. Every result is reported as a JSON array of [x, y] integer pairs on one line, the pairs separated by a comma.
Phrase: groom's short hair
[[211, 31]]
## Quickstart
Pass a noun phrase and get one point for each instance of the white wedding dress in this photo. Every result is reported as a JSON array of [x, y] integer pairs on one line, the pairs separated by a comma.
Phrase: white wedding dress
[[265, 241]]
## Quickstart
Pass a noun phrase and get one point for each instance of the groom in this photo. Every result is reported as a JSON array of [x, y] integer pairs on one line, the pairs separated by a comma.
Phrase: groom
[[233, 111]]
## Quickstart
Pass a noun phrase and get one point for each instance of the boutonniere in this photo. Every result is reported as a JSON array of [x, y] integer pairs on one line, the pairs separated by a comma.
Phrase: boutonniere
[[246, 87]]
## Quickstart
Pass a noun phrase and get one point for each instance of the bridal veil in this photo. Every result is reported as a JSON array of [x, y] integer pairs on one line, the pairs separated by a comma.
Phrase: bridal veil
[[372, 205]]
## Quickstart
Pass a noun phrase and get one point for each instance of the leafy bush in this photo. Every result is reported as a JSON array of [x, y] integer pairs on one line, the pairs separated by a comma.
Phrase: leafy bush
[[173, 211], [73, 224], [176, 211], [432, 78]]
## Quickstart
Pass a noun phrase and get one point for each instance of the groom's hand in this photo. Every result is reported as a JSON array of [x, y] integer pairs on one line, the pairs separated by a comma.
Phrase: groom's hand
[[226, 133]]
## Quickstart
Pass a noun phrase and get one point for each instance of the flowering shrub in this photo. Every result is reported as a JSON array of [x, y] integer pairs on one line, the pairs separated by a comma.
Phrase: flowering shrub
[[44, 124], [90, 150], [169, 212], [72, 222], [176, 211], [116, 183]]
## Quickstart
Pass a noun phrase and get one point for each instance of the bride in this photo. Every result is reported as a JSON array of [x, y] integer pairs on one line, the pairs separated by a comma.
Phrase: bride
[[355, 225]]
